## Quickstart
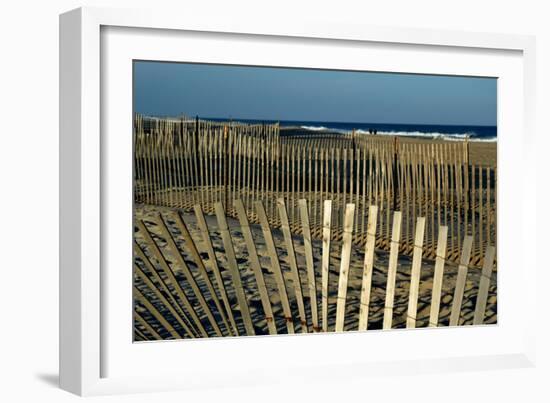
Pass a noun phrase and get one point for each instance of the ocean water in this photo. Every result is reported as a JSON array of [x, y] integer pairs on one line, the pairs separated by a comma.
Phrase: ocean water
[[447, 132]]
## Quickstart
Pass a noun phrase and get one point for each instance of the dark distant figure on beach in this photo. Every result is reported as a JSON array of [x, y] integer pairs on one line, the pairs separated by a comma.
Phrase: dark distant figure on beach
[[375, 131], [370, 131]]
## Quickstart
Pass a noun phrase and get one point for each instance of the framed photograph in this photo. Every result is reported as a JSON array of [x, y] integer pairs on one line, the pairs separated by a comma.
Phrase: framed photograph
[[273, 200]]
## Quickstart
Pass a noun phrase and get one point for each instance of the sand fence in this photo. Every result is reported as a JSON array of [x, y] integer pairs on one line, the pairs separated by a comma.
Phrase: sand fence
[[184, 162], [201, 276]]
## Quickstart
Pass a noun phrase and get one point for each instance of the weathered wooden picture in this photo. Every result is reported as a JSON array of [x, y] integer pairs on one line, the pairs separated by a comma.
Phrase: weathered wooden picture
[[274, 201]]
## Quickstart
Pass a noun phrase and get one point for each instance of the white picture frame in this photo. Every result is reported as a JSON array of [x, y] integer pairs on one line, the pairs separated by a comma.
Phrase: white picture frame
[[97, 357]]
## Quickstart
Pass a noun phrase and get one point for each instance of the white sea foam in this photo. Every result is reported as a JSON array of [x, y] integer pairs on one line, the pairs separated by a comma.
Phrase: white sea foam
[[442, 136], [428, 135], [316, 128], [433, 135]]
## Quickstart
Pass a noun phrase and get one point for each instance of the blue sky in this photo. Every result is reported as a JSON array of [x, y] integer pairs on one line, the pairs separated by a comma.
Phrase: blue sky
[[243, 92]]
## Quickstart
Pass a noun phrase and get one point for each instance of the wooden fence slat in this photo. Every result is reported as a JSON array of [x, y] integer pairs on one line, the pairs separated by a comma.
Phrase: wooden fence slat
[[461, 281], [484, 283], [308, 248], [364, 200], [368, 266], [310, 183], [480, 207], [234, 268], [438, 275], [285, 227], [327, 156], [357, 200], [320, 183], [255, 265], [338, 194], [201, 148], [344, 267], [325, 261], [415, 272], [488, 206], [275, 265], [392, 270]]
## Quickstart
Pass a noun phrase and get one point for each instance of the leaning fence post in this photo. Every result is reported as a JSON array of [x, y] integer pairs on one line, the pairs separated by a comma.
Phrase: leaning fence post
[[344, 267], [367, 268], [438, 275], [461, 281], [415, 272], [308, 248], [392, 270], [484, 282], [293, 265], [325, 261]]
